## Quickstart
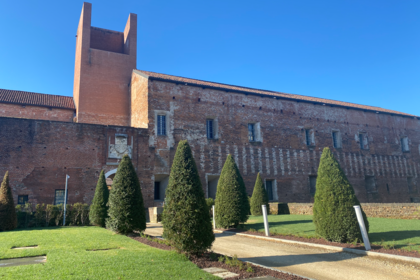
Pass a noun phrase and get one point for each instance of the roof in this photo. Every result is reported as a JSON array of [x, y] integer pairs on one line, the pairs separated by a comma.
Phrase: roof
[[36, 99], [277, 95]]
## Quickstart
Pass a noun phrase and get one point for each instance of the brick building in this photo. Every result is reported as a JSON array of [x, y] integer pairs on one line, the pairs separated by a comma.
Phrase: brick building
[[118, 109]]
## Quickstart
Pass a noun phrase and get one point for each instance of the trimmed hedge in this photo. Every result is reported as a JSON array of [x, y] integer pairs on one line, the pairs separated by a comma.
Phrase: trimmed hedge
[[259, 197], [186, 217], [126, 209], [99, 209], [232, 203], [8, 220], [334, 215]]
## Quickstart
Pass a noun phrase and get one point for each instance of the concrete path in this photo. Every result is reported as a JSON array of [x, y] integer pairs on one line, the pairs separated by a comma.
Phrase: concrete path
[[306, 261]]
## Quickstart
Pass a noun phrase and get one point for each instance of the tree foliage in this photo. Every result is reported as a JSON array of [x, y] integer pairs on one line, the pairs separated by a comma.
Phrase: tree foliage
[[259, 197], [99, 209], [232, 204], [334, 216], [8, 219], [126, 211], [186, 219]]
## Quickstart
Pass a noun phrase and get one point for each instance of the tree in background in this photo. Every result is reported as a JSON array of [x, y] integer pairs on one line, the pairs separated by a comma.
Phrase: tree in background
[[8, 219], [186, 218], [99, 209], [232, 204], [334, 215], [259, 197], [126, 211]]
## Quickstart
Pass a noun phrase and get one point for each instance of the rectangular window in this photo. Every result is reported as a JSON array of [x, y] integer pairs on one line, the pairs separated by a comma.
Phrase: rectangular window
[[312, 185], [210, 129], [404, 144], [363, 141], [59, 197], [157, 190], [251, 132], [269, 189], [412, 188], [161, 125], [308, 137], [336, 139], [370, 184], [22, 199]]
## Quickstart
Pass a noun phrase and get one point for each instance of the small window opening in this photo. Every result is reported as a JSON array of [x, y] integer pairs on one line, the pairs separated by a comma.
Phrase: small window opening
[[210, 129], [336, 139], [251, 132], [269, 189], [370, 184], [404, 144], [22, 199], [312, 185], [362, 141], [161, 125], [309, 137]]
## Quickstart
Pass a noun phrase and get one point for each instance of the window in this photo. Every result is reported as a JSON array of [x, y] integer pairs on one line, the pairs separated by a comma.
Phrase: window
[[161, 125], [309, 137], [370, 184], [404, 144], [157, 190], [59, 197], [269, 189], [363, 141], [22, 199], [336, 139], [251, 132], [212, 181], [210, 129], [312, 185]]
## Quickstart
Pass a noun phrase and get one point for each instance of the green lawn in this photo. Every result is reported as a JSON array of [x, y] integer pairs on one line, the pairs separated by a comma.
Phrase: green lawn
[[403, 234], [68, 258]]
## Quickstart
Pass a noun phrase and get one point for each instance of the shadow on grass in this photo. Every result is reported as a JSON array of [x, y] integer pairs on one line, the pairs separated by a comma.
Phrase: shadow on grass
[[393, 235], [48, 228], [290, 260]]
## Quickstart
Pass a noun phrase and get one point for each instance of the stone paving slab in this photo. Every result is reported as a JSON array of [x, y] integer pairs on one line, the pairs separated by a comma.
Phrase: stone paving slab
[[213, 270], [263, 278], [23, 261], [27, 247], [225, 275]]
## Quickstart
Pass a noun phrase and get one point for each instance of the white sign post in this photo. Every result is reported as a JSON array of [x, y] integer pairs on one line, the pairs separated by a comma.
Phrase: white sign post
[[362, 227], [214, 218], [65, 201], [264, 210]]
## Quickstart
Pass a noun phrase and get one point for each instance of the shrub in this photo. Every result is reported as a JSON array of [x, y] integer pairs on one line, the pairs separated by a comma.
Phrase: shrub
[[39, 215], [99, 209], [126, 209], [210, 203], [334, 215], [186, 218], [259, 197], [232, 204], [8, 219]]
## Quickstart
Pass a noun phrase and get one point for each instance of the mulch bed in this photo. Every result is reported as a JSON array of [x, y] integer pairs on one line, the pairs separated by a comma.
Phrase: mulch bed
[[375, 248], [205, 261]]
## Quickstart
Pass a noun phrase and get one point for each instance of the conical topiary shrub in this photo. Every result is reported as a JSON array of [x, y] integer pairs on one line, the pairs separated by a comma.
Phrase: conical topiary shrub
[[98, 209], [232, 204], [259, 197], [8, 219], [126, 211], [334, 215], [186, 218]]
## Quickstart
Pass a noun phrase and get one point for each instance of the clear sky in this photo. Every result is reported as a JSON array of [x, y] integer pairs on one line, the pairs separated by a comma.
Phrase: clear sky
[[365, 52]]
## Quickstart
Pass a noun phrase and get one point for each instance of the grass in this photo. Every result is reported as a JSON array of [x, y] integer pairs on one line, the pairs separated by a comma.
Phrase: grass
[[70, 256], [390, 233]]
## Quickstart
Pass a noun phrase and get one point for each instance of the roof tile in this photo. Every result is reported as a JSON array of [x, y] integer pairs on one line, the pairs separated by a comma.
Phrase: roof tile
[[36, 99]]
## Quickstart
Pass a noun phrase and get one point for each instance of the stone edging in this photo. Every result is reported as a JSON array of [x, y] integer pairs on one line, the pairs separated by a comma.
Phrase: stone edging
[[327, 247], [266, 267]]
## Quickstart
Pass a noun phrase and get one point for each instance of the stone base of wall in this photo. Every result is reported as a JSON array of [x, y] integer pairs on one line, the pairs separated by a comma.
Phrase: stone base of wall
[[378, 210], [155, 214], [277, 208]]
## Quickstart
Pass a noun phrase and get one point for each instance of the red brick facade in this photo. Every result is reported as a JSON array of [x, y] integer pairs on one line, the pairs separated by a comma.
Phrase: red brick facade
[[117, 109]]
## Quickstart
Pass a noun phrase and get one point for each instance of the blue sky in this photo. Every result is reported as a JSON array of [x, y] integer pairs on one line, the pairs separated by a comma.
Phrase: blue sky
[[365, 52]]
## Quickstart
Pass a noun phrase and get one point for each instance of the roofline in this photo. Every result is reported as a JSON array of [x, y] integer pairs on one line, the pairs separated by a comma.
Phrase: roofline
[[271, 96], [45, 106]]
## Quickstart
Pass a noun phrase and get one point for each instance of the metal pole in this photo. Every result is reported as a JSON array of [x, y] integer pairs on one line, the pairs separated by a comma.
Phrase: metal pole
[[214, 218], [264, 210], [362, 227], [65, 201]]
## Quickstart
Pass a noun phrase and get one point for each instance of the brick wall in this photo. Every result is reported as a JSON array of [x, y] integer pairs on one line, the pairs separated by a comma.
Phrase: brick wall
[[36, 112], [283, 155], [379, 210]]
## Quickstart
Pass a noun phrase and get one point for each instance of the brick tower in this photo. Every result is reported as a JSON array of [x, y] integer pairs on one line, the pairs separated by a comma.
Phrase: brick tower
[[104, 62]]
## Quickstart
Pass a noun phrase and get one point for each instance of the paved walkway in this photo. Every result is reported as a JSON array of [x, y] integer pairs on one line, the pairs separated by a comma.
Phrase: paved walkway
[[307, 261]]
